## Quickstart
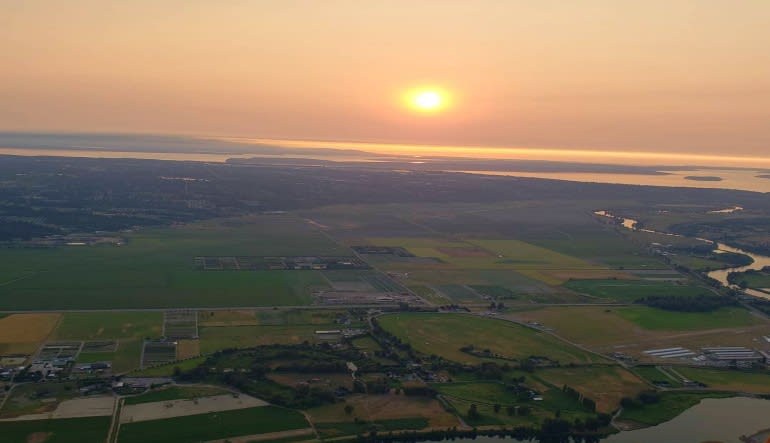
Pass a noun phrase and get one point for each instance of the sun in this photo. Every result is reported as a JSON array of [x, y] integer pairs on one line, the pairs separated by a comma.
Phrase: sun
[[427, 100]]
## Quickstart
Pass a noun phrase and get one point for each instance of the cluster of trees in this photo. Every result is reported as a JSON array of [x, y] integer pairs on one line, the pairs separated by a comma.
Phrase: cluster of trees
[[698, 303], [553, 430], [583, 400], [644, 398], [248, 371]]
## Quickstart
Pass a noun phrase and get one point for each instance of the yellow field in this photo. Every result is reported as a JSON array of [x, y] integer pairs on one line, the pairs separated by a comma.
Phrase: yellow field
[[188, 349], [23, 333], [606, 385]]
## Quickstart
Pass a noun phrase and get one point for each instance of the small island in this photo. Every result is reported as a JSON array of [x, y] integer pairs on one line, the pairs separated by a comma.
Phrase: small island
[[764, 176], [704, 178]]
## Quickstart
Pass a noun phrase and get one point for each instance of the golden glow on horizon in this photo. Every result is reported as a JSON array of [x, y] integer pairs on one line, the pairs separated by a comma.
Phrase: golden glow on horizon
[[427, 100], [521, 153]]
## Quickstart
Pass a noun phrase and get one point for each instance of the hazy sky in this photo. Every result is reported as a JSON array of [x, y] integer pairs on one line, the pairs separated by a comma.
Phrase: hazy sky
[[689, 76]]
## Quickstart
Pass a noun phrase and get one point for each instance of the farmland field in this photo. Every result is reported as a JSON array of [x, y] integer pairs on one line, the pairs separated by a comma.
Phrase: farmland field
[[445, 334], [22, 333], [66, 430], [606, 385], [154, 268], [174, 393], [217, 338], [109, 325], [217, 425], [741, 381], [627, 328], [658, 319], [631, 290], [128, 328]]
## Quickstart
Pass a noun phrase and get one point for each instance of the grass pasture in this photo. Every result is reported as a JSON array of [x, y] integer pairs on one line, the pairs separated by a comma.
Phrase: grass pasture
[[445, 334], [213, 426], [67, 430]]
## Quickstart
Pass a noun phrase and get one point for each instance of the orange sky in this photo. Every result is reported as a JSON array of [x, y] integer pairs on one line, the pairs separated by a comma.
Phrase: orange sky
[[684, 76]]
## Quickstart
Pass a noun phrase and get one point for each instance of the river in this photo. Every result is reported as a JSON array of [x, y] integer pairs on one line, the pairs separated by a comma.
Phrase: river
[[720, 275]]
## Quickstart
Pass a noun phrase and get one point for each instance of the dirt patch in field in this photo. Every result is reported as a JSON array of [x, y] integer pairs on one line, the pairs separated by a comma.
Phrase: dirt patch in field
[[463, 251], [179, 408], [385, 407], [74, 408], [188, 349], [38, 437]]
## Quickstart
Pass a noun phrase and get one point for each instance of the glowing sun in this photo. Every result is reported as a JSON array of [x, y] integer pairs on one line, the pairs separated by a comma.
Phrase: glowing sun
[[427, 100]]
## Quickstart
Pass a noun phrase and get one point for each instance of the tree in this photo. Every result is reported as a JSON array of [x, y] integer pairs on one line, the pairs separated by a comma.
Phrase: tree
[[348, 409], [496, 407], [473, 412]]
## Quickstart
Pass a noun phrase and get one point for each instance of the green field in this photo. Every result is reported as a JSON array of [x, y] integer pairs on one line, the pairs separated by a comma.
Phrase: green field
[[486, 394], [605, 247], [217, 338], [755, 280], [174, 393], [445, 334], [730, 380], [658, 319], [631, 290], [671, 404], [483, 253], [66, 430], [217, 425], [154, 268]]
